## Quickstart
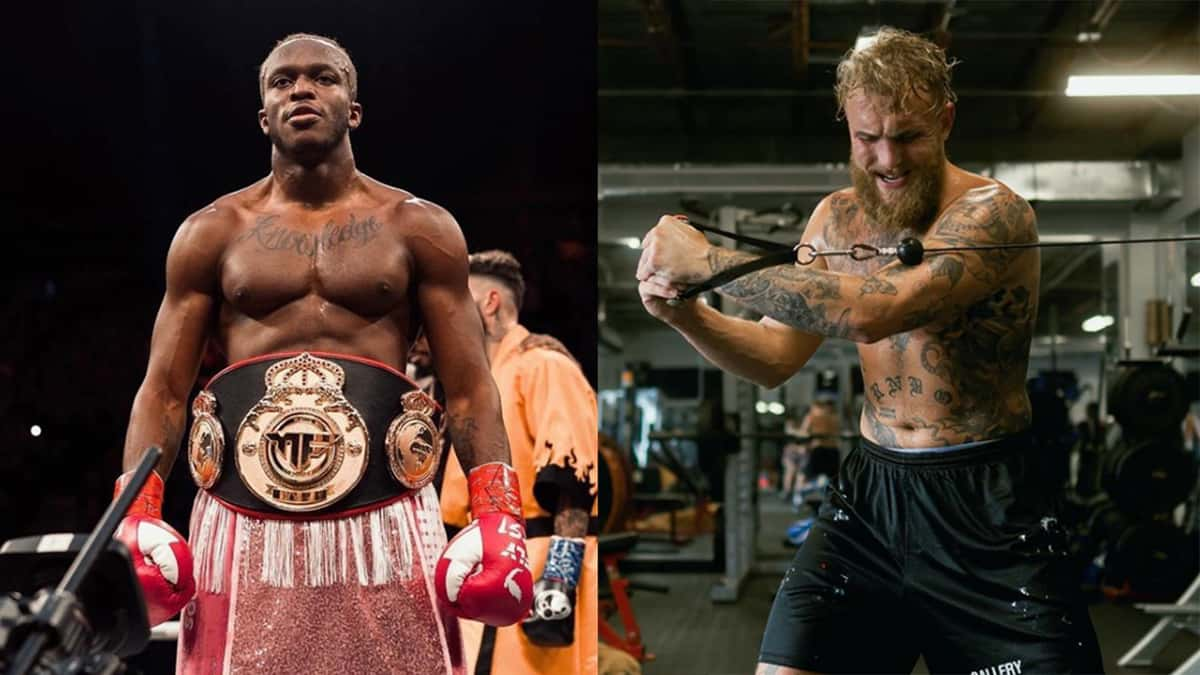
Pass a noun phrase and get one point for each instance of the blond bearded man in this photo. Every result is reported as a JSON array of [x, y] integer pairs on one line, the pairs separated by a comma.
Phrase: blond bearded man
[[939, 537]]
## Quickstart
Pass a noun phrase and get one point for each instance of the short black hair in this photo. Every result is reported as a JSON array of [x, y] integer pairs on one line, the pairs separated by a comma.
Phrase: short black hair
[[502, 266], [351, 71]]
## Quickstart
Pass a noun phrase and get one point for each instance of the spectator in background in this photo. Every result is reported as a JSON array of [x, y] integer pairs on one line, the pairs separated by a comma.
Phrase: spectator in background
[[1092, 430], [793, 454], [1191, 433], [823, 427]]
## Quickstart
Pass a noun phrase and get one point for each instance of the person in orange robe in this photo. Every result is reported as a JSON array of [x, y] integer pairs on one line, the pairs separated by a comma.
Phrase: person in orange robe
[[550, 414]]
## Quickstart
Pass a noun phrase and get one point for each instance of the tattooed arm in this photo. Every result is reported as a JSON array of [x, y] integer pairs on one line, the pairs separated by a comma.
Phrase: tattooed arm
[[765, 352], [897, 298], [177, 344], [570, 520], [455, 334]]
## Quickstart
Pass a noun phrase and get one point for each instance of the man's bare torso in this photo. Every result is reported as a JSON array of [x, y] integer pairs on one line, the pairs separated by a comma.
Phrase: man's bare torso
[[823, 424], [338, 278], [961, 377]]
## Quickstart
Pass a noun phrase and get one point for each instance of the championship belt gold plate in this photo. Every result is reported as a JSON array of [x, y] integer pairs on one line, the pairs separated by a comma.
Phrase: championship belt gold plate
[[414, 442], [206, 442], [303, 446]]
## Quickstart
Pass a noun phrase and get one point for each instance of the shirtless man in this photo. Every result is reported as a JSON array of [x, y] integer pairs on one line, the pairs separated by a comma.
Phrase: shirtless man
[[938, 538], [794, 455], [317, 524], [822, 425]]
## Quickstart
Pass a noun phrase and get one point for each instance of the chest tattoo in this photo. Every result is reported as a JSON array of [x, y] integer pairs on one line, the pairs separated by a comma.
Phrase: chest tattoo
[[270, 235]]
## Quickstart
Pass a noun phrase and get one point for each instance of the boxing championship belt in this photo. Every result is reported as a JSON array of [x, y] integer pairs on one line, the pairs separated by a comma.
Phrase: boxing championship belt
[[484, 572], [312, 433], [552, 621], [161, 557]]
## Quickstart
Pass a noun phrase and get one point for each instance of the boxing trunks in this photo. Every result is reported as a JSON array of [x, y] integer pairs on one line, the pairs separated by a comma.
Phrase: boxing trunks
[[950, 553], [316, 533]]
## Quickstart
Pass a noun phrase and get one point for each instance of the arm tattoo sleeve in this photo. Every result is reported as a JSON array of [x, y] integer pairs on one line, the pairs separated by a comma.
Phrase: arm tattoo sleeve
[[810, 300]]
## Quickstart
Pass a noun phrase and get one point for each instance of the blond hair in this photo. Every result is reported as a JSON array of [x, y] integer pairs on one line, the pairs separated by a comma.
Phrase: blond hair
[[903, 68]]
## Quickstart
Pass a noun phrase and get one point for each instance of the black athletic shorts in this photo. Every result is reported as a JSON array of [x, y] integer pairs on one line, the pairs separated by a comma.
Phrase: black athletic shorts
[[953, 554]]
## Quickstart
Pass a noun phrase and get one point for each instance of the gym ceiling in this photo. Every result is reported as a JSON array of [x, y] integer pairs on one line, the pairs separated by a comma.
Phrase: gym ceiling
[[750, 82]]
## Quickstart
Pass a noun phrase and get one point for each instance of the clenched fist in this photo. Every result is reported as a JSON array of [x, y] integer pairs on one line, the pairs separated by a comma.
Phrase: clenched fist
[[675, 252], [674, 256], [484, 572]]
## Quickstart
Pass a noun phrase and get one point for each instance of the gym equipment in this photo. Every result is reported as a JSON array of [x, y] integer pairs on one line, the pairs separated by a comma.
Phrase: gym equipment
[[1148, 397], [695, 493], [614, 486], [1149, 560], [1148, 476], [1134, 557], [614, 596], [1183, 614]]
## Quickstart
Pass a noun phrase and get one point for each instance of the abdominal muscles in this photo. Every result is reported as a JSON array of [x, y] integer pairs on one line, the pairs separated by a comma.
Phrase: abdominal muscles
[[951, 382]]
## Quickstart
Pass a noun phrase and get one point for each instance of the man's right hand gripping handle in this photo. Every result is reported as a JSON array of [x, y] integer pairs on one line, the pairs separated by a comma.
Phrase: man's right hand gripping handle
[[161, 557]]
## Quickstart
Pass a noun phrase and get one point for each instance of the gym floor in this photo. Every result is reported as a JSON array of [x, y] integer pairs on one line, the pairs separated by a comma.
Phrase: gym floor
[[688, 633]]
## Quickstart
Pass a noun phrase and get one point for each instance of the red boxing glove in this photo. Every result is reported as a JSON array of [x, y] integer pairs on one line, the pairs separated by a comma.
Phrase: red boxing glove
[[161, 558], [484, 572]]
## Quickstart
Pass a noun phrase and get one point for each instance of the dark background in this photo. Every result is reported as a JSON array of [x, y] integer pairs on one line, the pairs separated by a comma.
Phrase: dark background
[[120, 119]]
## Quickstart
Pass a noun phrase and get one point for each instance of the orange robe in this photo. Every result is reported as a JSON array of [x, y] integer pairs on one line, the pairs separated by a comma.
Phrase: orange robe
[[550, 414]]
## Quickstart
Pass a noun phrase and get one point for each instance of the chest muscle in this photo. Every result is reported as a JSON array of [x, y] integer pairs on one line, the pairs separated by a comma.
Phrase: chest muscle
[[349, 259]]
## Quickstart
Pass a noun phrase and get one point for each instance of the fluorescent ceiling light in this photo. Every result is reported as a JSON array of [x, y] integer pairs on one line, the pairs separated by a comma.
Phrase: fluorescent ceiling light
[[1133, 85], [773, 408], [631, 242], [1087, 36], [1097, 323]]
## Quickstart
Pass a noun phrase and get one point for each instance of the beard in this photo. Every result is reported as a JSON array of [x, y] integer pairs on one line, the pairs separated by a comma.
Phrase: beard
[[310, 150], [913, 207]]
